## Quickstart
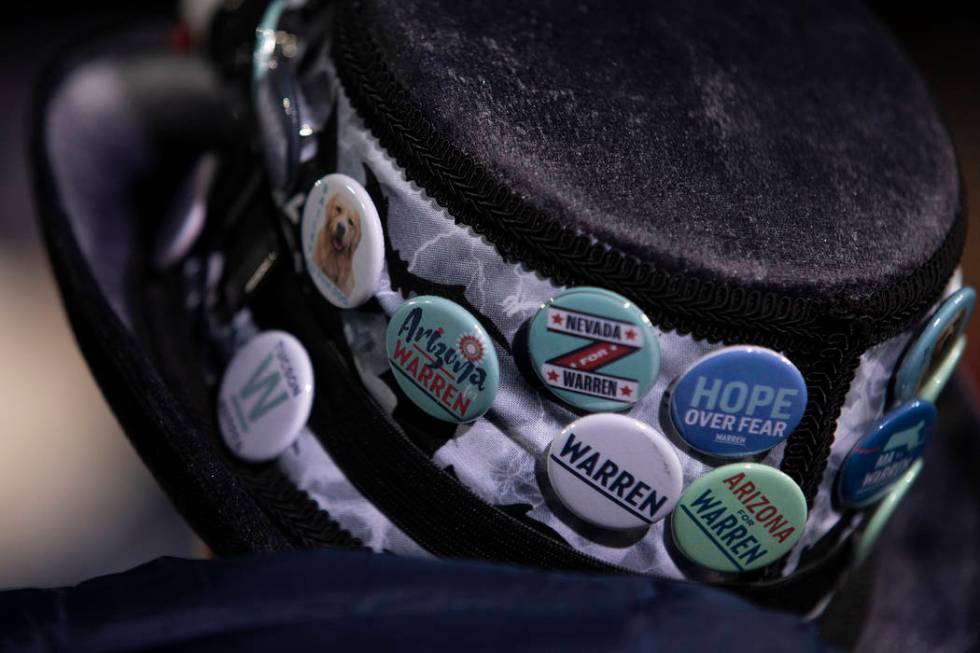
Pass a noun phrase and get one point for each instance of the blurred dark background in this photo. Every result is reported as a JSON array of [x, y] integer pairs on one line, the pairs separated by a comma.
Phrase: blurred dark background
[[75, 501]]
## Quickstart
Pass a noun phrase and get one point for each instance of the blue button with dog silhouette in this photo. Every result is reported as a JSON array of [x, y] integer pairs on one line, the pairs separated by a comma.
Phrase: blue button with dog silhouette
[[881, 457]]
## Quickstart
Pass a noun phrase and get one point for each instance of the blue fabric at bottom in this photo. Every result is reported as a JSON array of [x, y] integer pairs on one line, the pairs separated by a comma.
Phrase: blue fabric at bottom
[[338, 601]]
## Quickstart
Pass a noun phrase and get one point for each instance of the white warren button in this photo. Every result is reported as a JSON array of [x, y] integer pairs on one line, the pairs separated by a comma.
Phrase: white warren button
[[614, 471]]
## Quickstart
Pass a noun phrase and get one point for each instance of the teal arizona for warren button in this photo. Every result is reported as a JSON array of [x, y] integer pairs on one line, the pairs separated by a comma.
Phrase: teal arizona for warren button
[[738, 401], [739, 517], [443, 359], [594, 349]]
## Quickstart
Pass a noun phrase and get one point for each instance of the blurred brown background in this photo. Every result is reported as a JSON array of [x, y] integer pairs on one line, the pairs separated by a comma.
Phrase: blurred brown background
[[942, 39], [75, 501]]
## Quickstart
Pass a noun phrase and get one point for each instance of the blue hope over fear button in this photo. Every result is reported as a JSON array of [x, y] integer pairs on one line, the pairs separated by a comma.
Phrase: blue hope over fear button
[[738, 401]]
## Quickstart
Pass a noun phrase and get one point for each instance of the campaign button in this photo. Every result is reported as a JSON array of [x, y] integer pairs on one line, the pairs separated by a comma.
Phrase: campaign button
[[737, 401], [265, 38], [443, 359], [274, 95], [739, 517], [265, 396], [614, 471], [594, 349], [343, 242], [930, 360], [881, 457], [936, 380], [876, 524]]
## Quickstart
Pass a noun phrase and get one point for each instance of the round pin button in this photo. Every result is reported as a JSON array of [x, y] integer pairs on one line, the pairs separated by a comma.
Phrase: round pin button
[[274, 94], [343, 243], [594, 349], [739, 517], [443, 359], [929, 361], [265, 396], [876, 524], [933, 386], [265, 38], [614, 471], [738, 401], [882, 456]]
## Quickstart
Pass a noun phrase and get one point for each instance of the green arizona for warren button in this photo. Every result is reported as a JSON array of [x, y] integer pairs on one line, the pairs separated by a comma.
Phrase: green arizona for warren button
[[739, 517]]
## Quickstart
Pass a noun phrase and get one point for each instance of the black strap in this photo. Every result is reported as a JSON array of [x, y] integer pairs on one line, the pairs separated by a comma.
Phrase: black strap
[[425, 502]]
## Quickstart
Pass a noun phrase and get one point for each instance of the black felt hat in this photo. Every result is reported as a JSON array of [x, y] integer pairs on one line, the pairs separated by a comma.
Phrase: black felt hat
[[764, 174]]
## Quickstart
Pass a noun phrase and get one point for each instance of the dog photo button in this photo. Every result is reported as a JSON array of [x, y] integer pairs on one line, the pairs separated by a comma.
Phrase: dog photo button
[[614, 471], [343, 243], [265, 396], [594, 349], [443, 359], [881, 457], [737, 402], [739, 517]]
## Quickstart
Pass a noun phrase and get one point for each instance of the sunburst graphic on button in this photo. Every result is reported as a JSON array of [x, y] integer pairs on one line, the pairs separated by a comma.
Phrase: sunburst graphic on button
[[470, 348]]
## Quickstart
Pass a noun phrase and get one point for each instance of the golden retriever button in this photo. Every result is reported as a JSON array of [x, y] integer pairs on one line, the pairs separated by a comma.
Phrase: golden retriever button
[[342, 241], [443, 359], [265, 396]]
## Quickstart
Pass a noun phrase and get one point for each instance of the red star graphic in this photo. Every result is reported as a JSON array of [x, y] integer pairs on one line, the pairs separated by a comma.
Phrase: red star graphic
[[556, 318], [626, 391], [552, 375], [630, 334], [440, 331]]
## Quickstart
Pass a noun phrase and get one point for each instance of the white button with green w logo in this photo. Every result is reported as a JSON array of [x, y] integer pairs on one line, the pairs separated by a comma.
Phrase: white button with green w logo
[[265, 397]]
